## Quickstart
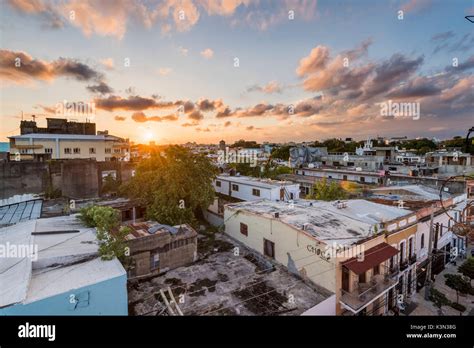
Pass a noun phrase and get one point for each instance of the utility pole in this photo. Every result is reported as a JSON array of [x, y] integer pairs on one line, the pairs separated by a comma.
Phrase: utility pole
[[428, 268]]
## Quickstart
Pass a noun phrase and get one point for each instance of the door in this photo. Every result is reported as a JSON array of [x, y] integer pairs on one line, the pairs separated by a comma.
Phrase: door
[[268, 248], [345, 279], [282, 194]]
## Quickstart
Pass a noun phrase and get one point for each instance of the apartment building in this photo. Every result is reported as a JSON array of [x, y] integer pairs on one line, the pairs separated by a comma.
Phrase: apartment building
[[45, 146], [451, 162], [352, 248]]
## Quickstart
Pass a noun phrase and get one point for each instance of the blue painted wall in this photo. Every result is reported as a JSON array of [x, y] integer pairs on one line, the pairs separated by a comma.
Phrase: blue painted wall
[[105, 298]]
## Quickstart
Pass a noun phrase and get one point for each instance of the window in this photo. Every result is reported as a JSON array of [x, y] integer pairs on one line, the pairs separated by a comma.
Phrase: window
[[235, 187], [362, 179], [67, 150], [376, 270], [422, 242], [116, 150], [268, 248], [48, 150], [441, 230], [77, 150], [92, 150], [244, 229], [218, 183], [344, 178], [154, 261], [292, 195], [256, 192], [108, 150], [362, 278]]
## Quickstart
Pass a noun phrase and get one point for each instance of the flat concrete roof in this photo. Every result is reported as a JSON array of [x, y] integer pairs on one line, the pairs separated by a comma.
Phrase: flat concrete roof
[[324, 220], [52, 136], [251, 181], [225, 284], [415, 192], [66, 259]]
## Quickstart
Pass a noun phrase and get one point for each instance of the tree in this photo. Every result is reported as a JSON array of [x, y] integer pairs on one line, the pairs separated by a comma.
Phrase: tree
[[467, 268], [282, 152], [110, 184], [438, 298], [174, 185], [324, 191], [458, 283], [111, 238]]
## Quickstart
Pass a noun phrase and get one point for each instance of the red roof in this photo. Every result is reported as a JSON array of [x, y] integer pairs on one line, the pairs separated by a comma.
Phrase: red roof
[[370, 258]]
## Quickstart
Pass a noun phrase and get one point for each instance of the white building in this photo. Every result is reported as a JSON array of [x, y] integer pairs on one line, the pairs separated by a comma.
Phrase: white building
[[248, 188], [44, 146]]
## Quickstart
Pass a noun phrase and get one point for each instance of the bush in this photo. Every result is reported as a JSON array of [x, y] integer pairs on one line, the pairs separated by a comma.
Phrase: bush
[[458, 306]]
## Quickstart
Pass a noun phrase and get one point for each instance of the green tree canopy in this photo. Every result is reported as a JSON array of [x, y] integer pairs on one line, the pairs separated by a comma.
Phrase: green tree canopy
[[467, 268], [282, 152], [458, 283], [173, 185], [111, 238], [328, 191], [438, 298]]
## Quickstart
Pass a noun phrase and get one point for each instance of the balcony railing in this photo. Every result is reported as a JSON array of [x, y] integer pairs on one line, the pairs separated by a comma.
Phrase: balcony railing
[[403, 265], [393, 271], [363, 293]]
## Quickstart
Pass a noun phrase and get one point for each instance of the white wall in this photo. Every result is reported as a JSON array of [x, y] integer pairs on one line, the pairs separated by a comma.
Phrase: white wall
[[327, 307], [245, 190]]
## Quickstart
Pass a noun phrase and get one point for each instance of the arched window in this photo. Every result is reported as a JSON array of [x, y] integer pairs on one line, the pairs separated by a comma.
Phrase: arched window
[[422, 241]]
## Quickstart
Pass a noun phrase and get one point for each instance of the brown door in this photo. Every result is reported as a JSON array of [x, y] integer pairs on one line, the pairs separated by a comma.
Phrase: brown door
[[282, 194], [268, 248]]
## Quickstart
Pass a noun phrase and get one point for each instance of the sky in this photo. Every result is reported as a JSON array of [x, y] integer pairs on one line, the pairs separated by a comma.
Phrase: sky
[[174, 71]]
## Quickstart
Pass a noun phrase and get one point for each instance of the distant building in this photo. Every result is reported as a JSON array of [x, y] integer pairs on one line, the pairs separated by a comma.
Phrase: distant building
[[222, 145], [451, 162], [157, 248], [56, 270], [45, 146]]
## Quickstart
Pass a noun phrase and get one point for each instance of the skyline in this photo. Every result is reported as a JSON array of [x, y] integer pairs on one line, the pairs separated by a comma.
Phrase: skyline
[[166, 71]]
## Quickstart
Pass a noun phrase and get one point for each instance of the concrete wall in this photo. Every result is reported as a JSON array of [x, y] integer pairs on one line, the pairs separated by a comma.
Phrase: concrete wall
[[105, 298], [22, 177], [245, 191], [75, 178]]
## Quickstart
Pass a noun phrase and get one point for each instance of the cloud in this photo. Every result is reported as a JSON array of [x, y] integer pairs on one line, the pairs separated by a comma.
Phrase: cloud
[[416, 5], [141, 118], [183, 51], [101, 88], [120, 118], [108, 63], [269, 88], [20, 67], [209, 105], [464, 66], [207, 53], [164, 71], [440, 37], [202, 129], [131, 103], [418, 87], [196, 115]]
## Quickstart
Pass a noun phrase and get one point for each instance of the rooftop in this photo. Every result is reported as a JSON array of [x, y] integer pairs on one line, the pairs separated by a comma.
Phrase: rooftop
[[22, 211], [224, 284], [249, 180], [324, 220], [410, 192], [66, 258], [67, 137], [148, 228]]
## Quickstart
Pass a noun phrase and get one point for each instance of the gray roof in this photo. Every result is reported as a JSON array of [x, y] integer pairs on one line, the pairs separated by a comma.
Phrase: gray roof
[[23, 211], [252, 181], [324, 220], [48, 136]]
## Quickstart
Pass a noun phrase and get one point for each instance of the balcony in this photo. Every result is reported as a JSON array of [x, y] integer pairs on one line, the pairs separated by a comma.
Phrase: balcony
[[393, 271], [403, 265], [412, 259], [364, 293]]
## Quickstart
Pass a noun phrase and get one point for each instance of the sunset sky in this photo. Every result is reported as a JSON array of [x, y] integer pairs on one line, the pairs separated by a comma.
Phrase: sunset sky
[[166, 70]]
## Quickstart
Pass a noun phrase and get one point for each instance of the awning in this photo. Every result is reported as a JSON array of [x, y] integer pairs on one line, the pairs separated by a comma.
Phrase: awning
[[370, 258]]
